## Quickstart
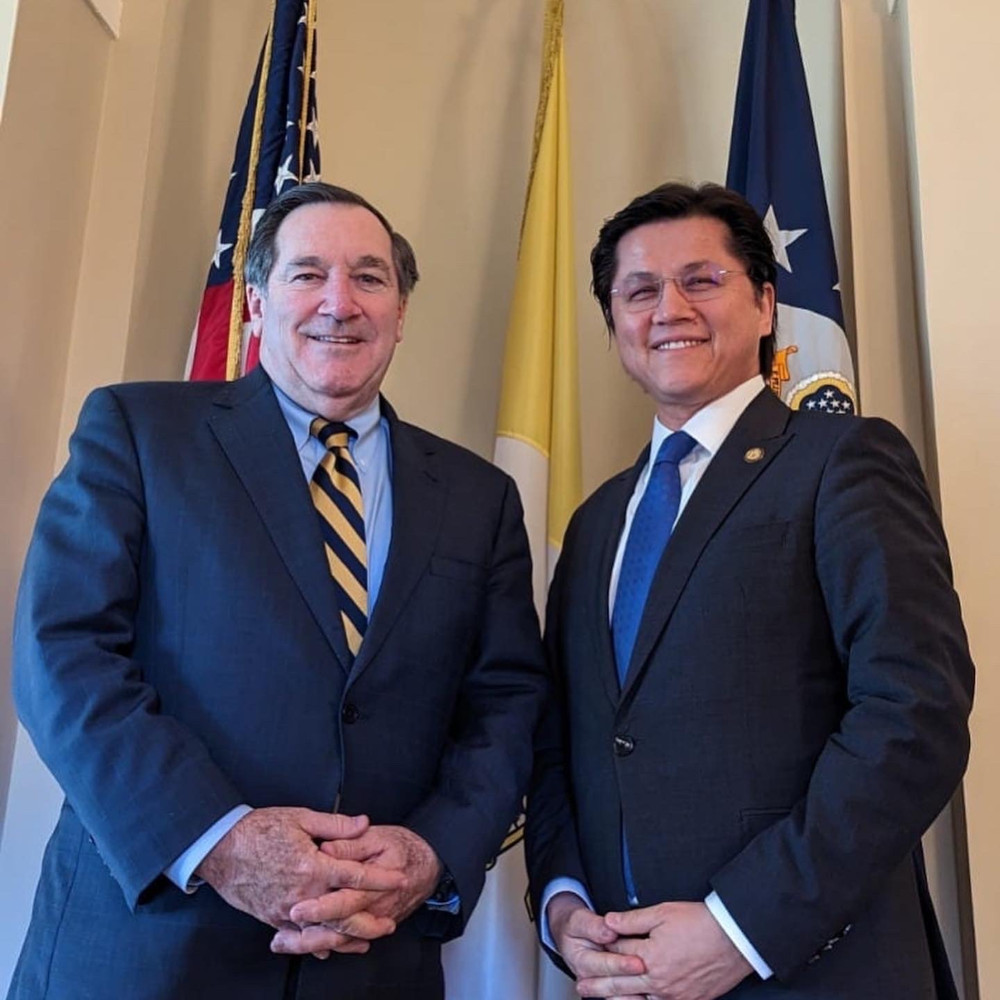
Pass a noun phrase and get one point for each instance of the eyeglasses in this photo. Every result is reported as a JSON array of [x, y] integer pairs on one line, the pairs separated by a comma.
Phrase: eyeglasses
[[697, 283]]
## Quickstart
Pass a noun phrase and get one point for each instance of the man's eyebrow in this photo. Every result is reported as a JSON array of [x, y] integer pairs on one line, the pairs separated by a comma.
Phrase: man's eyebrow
[[309, 260], [655, 274], [372, 260]]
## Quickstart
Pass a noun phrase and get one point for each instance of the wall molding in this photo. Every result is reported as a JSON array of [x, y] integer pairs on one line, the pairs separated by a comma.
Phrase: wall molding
[[109, 13]]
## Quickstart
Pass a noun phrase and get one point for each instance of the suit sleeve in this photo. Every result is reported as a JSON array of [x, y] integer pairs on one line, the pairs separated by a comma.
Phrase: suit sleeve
[[551, 847], [486, 763], [880, 780], [142, 785]]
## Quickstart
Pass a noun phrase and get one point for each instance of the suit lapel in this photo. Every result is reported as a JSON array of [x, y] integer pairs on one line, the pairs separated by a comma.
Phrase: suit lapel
[[762, 426], [418, 496], [249, 426]]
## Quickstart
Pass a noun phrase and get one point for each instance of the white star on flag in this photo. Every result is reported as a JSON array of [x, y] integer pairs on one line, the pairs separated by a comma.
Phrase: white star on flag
[[781, 239], [220, 249], [313, 127], [284, 175]]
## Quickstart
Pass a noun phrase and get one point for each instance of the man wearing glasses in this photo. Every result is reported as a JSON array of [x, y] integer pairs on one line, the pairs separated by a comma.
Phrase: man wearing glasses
[[763, 678]]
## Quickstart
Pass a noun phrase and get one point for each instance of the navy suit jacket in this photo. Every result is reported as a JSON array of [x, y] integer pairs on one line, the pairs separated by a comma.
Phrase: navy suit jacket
[[794, 715], [178, 651]]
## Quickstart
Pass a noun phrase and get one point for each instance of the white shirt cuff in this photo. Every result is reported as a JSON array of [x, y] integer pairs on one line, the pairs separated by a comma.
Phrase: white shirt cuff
[[556, 886], [732, 929], [181, 871]]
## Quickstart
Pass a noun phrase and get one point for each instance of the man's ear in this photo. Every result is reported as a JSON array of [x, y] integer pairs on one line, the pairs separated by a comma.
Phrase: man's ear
[[400, 317], [255, 306]]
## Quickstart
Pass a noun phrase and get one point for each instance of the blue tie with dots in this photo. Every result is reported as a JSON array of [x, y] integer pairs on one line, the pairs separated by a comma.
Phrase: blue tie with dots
[[651, 527], [647, 538]]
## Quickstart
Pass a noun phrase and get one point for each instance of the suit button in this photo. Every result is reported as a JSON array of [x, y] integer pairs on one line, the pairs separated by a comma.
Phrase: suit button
[[350, 714], [623, 745]]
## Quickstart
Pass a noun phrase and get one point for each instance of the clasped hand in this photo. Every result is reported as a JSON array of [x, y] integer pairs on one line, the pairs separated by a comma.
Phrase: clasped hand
[[326, 881], [671, 951]]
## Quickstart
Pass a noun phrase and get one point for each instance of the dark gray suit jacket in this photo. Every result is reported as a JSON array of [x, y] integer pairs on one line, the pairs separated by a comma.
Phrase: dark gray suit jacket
[[178, 651], [794, 715]]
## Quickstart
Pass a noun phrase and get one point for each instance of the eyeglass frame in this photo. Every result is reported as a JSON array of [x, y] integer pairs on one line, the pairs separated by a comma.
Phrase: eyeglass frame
[[660, 280]]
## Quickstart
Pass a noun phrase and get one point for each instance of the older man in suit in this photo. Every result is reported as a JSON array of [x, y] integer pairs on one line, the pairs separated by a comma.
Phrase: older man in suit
[[273, 639], [763, 677]]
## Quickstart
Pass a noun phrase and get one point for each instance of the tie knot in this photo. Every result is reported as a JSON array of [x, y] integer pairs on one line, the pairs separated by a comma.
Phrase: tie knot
[[674, 448], [332, 433]]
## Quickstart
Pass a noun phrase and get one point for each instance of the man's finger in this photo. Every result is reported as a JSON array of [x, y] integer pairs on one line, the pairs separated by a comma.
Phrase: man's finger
[[354, 875], [591, 963], [613, 986], [628, 946], [634, 922], [355, 849], [316, 939], [364, 926], [329, 908], [584, 923], [331, 826]]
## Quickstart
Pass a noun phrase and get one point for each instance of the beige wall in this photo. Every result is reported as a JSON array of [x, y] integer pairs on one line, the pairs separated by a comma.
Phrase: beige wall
[[956, 159], [427, 109], [48, 136]]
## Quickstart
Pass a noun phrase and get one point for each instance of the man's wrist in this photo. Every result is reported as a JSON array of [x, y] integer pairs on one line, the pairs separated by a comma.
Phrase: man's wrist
[[182, 870], [445, 895], [735, 934], [557, 887]]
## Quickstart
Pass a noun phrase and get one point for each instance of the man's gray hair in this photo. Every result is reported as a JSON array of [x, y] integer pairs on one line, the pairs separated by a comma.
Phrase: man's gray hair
[[261, 252]]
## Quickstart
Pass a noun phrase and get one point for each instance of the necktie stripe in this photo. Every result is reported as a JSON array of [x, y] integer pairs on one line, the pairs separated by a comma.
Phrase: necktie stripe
[[345, 520], [344, 564], [351, 587], [349, 472], [354, 636], [336, 495], [342, 477]]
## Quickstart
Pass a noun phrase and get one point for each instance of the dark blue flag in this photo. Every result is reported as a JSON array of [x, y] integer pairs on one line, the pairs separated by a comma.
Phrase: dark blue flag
[[774, 162], [277, 146]]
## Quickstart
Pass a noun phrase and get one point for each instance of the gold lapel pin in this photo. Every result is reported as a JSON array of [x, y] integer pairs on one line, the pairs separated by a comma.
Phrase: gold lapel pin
[[753, 454]]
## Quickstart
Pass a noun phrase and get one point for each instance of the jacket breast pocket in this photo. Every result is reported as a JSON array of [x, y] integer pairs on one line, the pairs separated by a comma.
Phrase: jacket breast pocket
[[754, 821]]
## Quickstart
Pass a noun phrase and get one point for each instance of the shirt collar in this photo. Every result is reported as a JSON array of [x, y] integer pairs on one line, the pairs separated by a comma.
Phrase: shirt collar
[[300, 419], [711, 425]]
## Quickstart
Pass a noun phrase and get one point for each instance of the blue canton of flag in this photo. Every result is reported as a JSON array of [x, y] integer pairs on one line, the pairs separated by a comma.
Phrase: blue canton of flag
[[774, 162], [277, 147]]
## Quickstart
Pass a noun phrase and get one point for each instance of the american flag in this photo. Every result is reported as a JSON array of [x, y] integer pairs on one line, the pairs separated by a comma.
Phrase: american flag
[[774, 162], [277, 147]]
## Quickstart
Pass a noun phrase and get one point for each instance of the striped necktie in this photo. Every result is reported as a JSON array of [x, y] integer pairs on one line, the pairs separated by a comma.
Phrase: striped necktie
[[336, 493]]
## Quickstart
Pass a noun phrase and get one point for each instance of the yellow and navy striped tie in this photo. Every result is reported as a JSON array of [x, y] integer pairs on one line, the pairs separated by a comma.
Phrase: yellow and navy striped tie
[[336, 492]]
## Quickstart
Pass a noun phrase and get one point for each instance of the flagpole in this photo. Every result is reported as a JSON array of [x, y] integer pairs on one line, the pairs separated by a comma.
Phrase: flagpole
[[235, 351]]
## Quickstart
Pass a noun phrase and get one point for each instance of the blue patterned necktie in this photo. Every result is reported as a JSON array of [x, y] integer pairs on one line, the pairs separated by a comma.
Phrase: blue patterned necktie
[[651, 527], [647, 538]]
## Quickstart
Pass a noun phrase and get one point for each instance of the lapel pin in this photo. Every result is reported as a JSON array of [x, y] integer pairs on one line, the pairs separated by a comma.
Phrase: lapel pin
[[753, 454]]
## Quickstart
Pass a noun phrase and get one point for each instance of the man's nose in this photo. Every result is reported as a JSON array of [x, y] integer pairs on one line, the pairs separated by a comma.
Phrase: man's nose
[[340, 297], [672, 305]]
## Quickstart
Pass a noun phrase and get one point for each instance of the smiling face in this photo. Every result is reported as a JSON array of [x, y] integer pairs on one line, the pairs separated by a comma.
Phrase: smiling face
[[684, 354], [331, 314]]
